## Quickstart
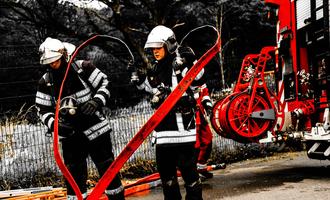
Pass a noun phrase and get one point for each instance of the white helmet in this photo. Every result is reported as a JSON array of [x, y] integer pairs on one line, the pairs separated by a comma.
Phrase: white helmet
[[159, 36], [53, 49]]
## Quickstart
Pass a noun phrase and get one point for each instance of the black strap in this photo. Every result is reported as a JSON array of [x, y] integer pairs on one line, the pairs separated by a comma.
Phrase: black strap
[[82, 75], [50, 83]]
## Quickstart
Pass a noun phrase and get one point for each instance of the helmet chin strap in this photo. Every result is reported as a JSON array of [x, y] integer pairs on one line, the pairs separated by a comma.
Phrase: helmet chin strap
[[178, 58]]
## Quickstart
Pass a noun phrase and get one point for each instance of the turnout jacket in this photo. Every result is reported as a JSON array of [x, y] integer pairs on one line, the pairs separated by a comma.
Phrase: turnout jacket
[[84, 82], [178, 127]]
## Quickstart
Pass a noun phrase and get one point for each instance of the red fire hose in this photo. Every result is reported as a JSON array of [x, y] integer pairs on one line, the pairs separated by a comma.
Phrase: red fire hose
[[142, 134]]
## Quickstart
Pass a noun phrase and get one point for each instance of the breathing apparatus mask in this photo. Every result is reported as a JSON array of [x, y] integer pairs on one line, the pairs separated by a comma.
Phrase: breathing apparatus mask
[[68, 106]]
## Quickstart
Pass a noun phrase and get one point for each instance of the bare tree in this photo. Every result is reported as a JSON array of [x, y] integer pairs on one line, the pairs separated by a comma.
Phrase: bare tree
[[132, 20]]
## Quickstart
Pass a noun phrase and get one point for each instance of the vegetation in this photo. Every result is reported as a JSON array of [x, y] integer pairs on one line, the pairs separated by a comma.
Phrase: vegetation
[[24, 24], [243, 25]]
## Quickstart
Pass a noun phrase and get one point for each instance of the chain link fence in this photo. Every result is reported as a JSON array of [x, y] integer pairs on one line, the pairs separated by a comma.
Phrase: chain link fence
[[26, 149]]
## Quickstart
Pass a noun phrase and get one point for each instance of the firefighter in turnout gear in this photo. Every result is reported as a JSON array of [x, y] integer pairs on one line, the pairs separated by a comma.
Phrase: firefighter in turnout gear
[[175, 136], [204, 133], [83, 129]]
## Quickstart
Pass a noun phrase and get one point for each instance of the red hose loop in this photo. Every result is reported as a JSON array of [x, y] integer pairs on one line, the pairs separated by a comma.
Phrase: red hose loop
[[58, 158]]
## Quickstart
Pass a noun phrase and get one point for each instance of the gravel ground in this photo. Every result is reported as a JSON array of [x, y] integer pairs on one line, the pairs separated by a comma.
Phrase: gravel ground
[[286, 176]]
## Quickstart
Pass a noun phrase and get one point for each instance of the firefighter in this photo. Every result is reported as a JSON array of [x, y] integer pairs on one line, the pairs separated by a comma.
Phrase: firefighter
[[204, 133], [175, 136], [83, 129]]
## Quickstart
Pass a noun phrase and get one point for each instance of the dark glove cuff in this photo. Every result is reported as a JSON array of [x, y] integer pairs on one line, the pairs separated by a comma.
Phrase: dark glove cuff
[[98, 102], [207, 104], [139, 79]]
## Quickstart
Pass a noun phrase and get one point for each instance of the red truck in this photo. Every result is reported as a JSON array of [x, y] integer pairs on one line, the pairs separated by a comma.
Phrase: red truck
[[283, 93]]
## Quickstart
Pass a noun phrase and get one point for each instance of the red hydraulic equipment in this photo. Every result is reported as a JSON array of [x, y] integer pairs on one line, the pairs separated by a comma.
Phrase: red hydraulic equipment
[[284, 91], [252, 109]]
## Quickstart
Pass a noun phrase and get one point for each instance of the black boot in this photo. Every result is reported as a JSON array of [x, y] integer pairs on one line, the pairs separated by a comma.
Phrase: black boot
[[171, 190], [194, 191], [119, 196], [205, 175]]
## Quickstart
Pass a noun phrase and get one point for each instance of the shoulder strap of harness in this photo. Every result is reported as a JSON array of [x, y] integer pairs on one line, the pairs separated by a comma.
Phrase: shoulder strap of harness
[[49, 82], [77, 66]]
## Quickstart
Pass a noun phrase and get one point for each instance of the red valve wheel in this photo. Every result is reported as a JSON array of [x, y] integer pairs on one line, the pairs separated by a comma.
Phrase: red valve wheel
[[240, 120]]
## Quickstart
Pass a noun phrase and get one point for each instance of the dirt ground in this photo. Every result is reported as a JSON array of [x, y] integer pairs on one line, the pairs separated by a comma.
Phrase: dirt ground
[[287, 176]]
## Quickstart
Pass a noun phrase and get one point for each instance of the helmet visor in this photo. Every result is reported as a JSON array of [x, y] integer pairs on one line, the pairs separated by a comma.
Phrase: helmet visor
[[153, 45], [49, 56]]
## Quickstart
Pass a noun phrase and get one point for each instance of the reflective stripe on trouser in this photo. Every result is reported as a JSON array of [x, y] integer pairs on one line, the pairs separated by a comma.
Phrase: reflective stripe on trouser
[[74, 197], [115, 188]]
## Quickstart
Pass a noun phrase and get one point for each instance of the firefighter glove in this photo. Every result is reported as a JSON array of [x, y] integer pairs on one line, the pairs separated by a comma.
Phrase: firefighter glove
[[135, 78], [207, 104], [161, 94], [178, 63], [90, 107], [163, 89]]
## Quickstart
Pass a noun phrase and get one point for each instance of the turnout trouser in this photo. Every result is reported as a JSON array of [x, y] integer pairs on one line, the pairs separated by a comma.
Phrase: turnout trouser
[[183, 157], [76, 149]]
